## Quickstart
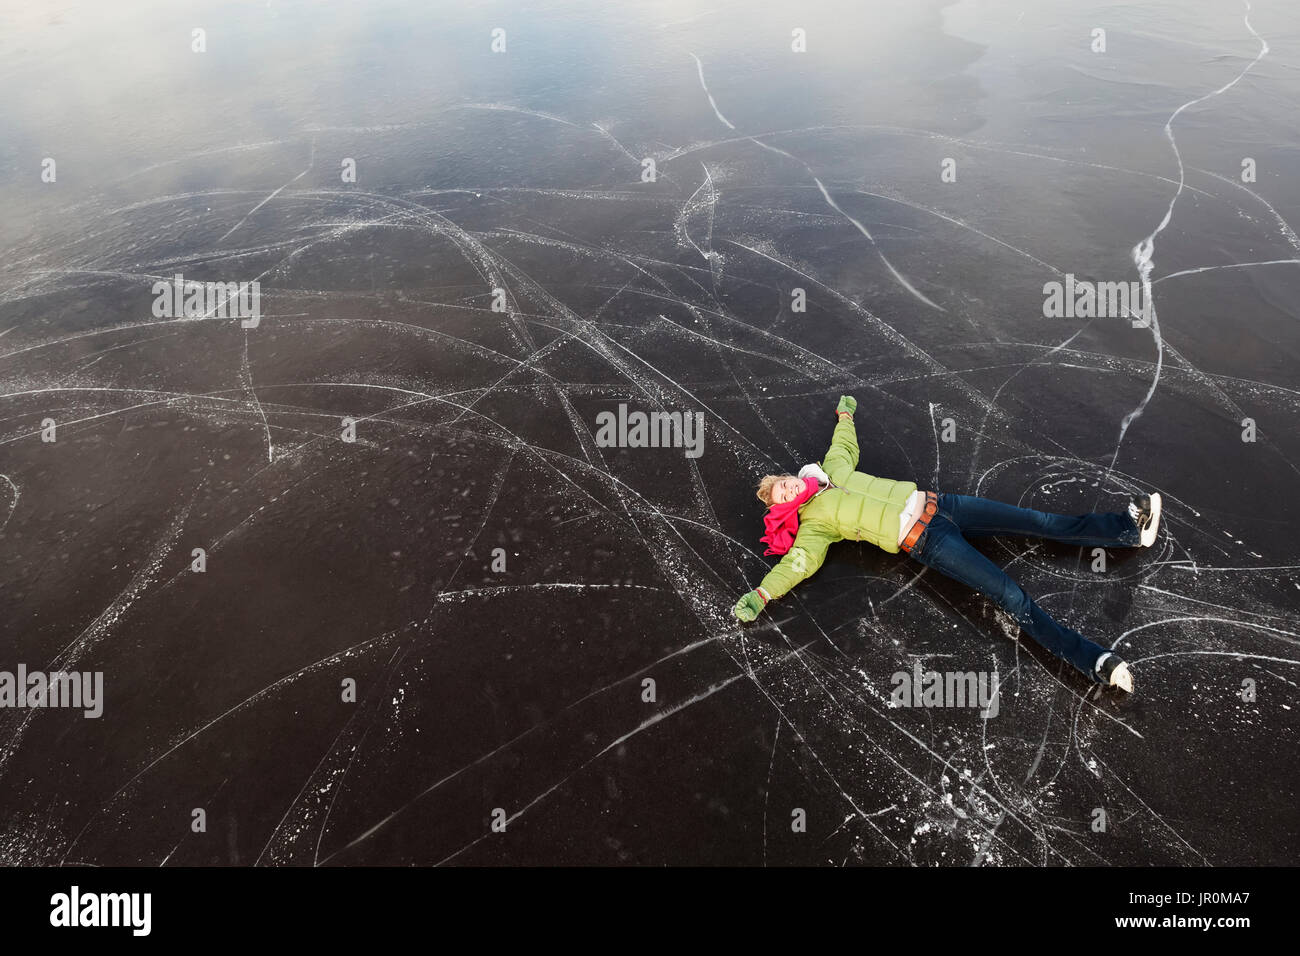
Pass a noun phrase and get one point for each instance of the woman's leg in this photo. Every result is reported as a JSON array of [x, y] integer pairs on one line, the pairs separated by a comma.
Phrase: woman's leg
[[977, 517], [943, 548]]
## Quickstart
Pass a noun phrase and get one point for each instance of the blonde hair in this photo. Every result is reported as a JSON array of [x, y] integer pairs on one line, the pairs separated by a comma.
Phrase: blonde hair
[[765, 487]]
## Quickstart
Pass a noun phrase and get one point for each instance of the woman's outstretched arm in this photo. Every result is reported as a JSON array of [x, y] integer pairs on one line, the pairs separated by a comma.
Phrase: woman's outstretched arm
[[842, 458], [800, 562]]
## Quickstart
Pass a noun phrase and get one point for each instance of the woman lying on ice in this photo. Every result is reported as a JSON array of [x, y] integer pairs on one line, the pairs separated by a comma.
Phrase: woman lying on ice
[[809, 512]]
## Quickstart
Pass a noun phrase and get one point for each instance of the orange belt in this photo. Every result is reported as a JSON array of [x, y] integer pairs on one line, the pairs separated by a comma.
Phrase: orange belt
[[914, 535]]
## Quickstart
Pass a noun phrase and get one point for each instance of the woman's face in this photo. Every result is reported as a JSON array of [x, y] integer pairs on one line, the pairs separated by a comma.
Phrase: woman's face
[[787, 489]]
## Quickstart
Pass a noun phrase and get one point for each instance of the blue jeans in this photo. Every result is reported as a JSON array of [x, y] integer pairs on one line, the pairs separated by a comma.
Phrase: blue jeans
[[943, 546]]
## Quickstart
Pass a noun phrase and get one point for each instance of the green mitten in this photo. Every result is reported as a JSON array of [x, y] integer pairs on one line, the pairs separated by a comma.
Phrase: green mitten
[[749, 606], [847, 404]]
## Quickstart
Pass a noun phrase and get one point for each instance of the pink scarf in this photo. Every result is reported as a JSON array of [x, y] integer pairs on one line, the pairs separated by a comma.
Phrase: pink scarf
[[782, 521]]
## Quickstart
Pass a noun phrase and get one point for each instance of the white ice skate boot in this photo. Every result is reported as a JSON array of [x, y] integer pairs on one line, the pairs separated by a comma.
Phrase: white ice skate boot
[[1114, 672], [1145, 512]]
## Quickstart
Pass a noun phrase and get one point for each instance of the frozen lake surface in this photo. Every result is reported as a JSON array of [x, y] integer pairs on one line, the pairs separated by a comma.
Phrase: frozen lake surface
[[464, 256]]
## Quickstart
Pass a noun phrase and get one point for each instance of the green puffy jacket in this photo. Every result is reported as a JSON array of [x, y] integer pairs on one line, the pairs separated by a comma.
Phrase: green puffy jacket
[[860, 507]]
